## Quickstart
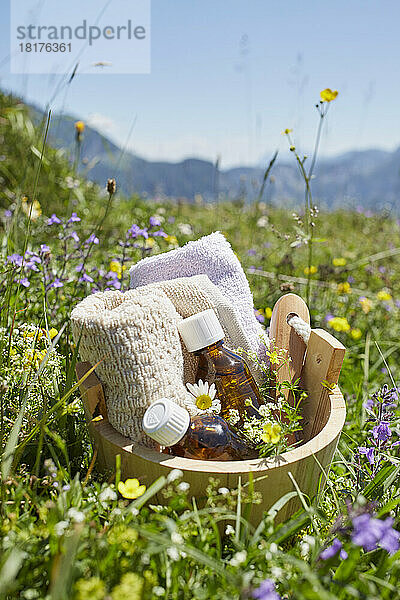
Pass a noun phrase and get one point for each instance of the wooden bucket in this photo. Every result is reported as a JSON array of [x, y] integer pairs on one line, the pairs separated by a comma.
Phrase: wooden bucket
[[324, 415]]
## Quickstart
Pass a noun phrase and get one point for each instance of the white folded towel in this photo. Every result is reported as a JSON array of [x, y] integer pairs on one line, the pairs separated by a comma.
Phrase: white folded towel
[[211, 255]]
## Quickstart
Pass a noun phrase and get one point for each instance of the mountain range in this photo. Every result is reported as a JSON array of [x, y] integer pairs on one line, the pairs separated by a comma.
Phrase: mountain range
[[369, 179]]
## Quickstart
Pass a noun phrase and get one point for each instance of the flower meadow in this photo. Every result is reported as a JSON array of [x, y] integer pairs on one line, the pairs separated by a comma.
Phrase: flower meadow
[[68, 531]]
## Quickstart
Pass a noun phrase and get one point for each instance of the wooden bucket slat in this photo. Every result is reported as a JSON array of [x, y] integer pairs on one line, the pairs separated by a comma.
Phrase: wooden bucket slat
[[286, 338], [270, 475], [323, 363]]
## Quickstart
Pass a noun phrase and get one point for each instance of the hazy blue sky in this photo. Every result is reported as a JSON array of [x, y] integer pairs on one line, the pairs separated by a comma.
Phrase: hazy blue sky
[[228, 75]]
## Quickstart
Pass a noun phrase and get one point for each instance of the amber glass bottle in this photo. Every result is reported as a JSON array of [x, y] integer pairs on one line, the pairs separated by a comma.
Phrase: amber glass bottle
[[205, 437], [203, 335]]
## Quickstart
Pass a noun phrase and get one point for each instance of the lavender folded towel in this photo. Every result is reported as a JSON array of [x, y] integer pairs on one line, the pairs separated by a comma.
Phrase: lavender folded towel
[[211, 255]]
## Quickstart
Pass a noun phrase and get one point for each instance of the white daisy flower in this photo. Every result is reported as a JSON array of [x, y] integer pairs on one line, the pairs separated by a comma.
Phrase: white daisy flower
[[201, 398]]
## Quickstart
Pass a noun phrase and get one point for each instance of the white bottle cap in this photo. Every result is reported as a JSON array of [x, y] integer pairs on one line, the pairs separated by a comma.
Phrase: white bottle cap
[[201, 330], [166, 422]]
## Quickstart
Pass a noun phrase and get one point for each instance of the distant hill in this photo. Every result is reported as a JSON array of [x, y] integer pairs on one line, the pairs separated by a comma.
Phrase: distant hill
[[369, 179]]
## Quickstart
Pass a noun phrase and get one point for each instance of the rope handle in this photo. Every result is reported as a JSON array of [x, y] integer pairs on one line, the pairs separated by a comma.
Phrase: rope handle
[[302, 328]]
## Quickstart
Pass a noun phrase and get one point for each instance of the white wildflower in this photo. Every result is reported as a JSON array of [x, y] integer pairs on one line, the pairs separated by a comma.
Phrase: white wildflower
[[174, 475], [60, 527], [233, 416], [173, 553], [264, 410], [262, 222], [183, 486], [201, 398], [176, 538], [75, 515], [229, 530], [185, 228], [158, 591], [107, 495], [238, 558], [223, 490]]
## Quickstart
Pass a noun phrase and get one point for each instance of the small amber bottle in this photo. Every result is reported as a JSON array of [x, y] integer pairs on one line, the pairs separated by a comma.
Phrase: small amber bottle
[[203, 335], [204, 437]]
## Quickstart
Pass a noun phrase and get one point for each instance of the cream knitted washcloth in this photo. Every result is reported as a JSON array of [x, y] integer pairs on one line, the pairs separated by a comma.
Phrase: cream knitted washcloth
[[135, 336], [191, 295], [211, 255]]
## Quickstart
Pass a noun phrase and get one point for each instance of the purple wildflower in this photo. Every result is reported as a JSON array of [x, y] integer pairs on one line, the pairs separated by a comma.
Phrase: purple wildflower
[[44, 248], [332, 550], [23, 282], [135, 231], [57, 283], [329, 317], [74, 218], [86, 277], [259, 316], [154, 222], [159, 233], [74, 236], [350, 279], [266, 591], [171, 220], [15, 259], [79, 267], [368, 404], [53, 220], [369, 533], [114, 283], [369, 453], [92, 239], [252, 252], [382, 431]]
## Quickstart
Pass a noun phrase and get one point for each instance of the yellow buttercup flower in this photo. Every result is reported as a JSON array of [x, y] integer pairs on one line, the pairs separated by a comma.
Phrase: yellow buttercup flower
[[268, 312], [356, 333], [366, 304], [34, 212], [131, 489], [271, 433], [328, 95], [150, 242], [80, 127], [310, 270], [339, 262], [384, 296], [53, 332], [344, 288], [171, 239], [287, 131], [116, 267], [339, 324]]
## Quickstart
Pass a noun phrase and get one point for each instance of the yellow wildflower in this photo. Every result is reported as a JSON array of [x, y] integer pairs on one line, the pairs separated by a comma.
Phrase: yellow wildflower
[[171, 239], [271, 433], [310, 270], [116, 267], [328, 95], [53, 332], [344, 288], [339, 262], [339, 324], [287, 131], [268, 312], [366, 304], [80, 127], [150, 242], [34, 212], [31, 334], [273, 357], [384, 296], [131, 489], [356, 333]]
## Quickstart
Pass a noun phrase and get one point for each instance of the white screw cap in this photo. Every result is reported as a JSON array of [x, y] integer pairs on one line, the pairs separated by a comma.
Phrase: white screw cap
[[201, 330], [166, 422]]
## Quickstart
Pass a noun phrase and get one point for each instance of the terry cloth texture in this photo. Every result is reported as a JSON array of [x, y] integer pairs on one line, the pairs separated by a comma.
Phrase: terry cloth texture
[[135, 336], [191, 295], [211, 255]]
